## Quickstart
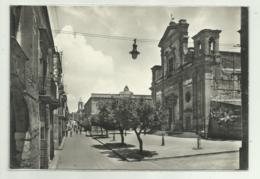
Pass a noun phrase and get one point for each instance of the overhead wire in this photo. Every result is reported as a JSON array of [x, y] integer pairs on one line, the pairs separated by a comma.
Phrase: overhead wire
[[117, 37], [126, 38]]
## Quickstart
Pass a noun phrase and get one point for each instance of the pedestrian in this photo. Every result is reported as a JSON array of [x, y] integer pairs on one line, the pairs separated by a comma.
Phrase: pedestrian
[[67, 129], [70, 129], [76, 130]]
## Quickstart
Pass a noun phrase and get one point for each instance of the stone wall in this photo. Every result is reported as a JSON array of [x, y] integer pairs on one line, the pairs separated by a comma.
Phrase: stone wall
[[27, 59]]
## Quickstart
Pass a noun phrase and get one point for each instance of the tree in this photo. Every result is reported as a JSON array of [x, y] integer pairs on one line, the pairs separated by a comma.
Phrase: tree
[[161, 118], [121, 114], [142, 117], [104, 116]]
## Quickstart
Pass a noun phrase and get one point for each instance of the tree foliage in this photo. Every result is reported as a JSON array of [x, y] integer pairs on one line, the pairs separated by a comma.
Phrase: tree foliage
[[105, 119], [125, 113], [143, 118], [121, 113]]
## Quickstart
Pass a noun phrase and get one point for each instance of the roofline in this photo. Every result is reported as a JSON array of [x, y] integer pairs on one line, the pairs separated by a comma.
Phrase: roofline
[[206, 30], [109, 95], [169, 27], [116, 95], [49, 26]]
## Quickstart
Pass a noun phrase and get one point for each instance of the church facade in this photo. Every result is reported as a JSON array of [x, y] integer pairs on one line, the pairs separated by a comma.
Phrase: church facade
[[188, 80]]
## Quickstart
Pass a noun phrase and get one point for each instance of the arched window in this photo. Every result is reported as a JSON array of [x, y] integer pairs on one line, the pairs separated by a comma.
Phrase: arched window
[[187, 97], [199, 47], [211, 46]]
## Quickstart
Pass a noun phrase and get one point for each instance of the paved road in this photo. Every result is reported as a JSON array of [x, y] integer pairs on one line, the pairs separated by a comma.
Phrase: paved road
[[79, 153]]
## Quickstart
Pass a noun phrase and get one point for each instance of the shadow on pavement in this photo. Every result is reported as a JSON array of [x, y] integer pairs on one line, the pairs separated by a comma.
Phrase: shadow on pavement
[[112, 146], [99, 136], [96, 136], [132, 154], [124, 151]]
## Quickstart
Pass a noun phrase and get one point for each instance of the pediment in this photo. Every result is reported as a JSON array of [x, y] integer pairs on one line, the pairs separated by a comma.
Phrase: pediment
[[170, 31]]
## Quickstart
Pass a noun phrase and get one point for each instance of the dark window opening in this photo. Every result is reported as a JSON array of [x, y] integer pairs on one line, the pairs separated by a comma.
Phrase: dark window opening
[[199, 48], [42, 132], [187, 97], [211, 46]]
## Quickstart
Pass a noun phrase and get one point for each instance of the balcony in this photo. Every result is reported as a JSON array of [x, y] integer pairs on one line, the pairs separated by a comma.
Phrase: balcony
[[62, 112], [47, 91]]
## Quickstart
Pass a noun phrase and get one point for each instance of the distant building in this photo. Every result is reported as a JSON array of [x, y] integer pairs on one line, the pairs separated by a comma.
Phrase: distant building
[[91, 106], [61, 113], [188, 79], [78, 115]]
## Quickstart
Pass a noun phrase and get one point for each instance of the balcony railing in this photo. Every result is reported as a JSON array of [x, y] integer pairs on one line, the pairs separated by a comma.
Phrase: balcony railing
[[47, 91]]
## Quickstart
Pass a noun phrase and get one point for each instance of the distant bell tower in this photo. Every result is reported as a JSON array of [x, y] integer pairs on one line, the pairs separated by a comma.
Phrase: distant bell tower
[[206, 42], [80, 105]]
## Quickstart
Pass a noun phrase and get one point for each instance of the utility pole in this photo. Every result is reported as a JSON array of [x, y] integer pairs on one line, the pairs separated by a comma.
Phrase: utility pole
[[243, 151]]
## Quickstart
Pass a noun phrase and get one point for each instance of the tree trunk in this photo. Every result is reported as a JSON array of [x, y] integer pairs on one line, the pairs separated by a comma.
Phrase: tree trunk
[[140, 141], [122, 136], [107, 133], [101, 131]]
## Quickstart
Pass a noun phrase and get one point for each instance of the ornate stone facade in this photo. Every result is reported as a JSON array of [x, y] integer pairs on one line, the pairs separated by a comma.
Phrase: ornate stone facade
[[189, 78]]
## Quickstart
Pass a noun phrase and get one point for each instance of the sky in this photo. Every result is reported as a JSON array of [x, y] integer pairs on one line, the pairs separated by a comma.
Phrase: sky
[[101, 65]]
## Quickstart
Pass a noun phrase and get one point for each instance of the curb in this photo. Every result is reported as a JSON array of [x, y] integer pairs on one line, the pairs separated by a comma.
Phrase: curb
[[192, 155], [62, 143], [53, 164], [164, 158]]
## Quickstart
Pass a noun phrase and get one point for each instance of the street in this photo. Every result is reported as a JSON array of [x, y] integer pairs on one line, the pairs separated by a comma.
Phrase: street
[[80, 152]]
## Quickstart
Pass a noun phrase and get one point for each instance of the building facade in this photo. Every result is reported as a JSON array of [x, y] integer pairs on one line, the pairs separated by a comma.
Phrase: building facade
[[33, 87], [61, 114], [188, 79]]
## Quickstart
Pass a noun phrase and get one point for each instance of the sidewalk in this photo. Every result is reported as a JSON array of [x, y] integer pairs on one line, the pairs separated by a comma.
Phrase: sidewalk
[[175, 147], [54, 162]]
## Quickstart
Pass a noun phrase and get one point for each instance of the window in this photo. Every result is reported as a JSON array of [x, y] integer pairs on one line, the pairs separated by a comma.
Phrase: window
[[42, 132], [187, 97], [211, 46], [199, 46]]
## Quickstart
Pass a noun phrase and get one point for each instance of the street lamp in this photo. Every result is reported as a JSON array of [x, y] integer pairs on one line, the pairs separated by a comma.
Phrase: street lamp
[[134, 52]]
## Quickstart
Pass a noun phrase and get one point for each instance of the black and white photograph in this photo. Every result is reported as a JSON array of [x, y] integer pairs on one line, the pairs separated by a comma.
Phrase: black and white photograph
[[122, 90], [128, 88]]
